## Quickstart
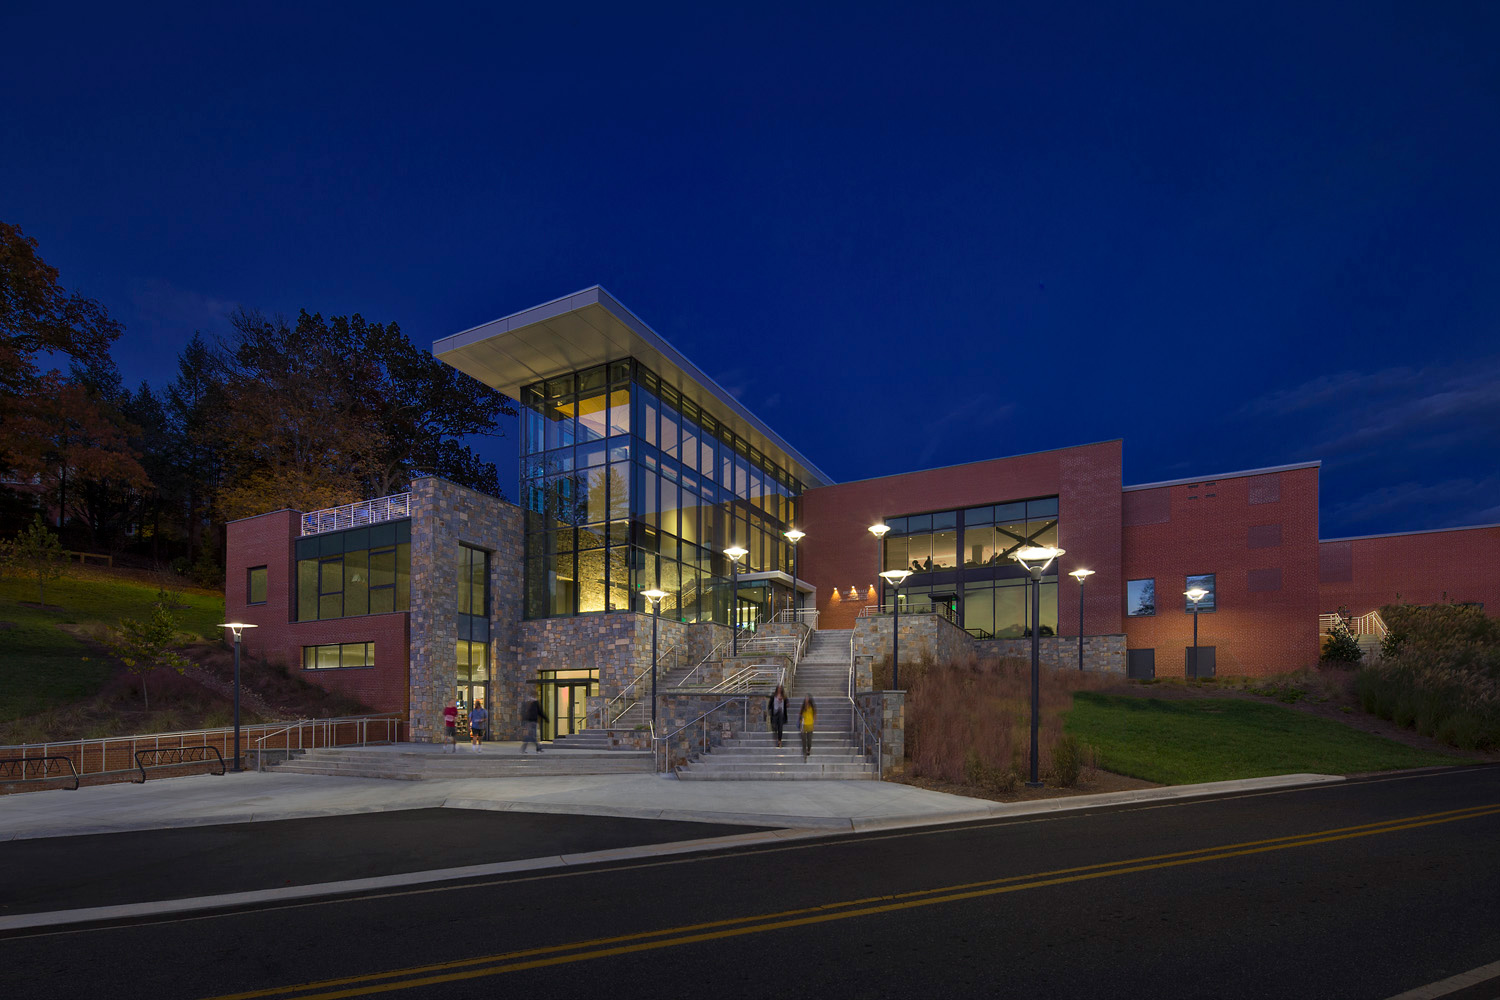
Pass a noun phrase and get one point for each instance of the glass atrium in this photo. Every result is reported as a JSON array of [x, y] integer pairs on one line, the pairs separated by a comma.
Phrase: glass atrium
[[628, 486]]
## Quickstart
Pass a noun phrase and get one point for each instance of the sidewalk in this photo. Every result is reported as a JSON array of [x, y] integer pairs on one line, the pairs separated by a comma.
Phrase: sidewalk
[[849, 806]]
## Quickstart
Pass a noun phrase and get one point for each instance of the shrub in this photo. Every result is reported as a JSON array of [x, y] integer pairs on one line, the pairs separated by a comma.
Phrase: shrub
[[1070, 759], [1440, 674], [1341, 646]]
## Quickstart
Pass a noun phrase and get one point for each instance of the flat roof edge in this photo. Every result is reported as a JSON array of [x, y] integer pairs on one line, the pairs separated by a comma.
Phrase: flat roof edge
[[1399, 534], [1225, 475], [981, 461]]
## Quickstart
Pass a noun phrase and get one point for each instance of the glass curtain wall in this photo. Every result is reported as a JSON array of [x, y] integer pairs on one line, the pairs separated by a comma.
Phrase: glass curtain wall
[[364, 571], [962, 558], [628, 486]]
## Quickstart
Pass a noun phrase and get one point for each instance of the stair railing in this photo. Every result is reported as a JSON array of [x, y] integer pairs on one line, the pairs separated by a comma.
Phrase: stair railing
[[742, 680], [662, 754], [608, 717], [799, 616], [860, 729], [1369, 623]]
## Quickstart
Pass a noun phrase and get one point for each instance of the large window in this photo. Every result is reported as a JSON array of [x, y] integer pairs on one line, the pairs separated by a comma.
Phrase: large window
[[630, 486], [1140, 598], [962, 558], [338, 655], [364, 571]]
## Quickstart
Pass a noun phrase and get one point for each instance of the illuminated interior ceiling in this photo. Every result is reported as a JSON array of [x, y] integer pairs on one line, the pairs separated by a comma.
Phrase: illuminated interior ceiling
[[590, 328]]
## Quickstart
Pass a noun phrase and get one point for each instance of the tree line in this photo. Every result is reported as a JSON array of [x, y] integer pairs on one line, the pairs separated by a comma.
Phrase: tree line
[[271, 413]]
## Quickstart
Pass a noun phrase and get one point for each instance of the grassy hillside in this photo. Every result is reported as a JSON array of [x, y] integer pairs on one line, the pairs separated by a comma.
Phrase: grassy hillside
[[1218, 739], [43, 661]]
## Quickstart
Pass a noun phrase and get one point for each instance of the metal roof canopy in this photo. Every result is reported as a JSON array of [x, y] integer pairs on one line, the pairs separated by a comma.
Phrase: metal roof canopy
[[590, 328]]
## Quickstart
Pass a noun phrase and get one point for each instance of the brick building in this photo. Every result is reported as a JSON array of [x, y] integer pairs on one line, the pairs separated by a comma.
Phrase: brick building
[[638, 472]]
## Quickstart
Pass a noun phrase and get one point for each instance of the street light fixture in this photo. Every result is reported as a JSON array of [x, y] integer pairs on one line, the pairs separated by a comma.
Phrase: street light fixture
[[1080, 575], [735, 554], [794, 536], [1195, 595], [1035, 559], [235, 629], [895, 577], [654, 596]]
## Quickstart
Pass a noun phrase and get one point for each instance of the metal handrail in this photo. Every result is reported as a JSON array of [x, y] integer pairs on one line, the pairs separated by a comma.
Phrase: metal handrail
[[797, 616], [1369, 623], [116, 754], [911, 608], [329, 729], [657, 741], [863, 732], [355, 515], [606, 717], [746, 677]]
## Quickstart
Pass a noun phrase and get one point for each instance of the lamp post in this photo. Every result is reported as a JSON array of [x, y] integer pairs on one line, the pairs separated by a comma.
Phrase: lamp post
[[1195, 595], [235, 629], [654, 596], [1035, 559], [794, 536], [896, 577], [735, 554], [1080, 575]]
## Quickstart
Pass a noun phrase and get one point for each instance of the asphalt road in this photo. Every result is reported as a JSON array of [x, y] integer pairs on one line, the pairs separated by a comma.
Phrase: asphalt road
[[1364, 889]]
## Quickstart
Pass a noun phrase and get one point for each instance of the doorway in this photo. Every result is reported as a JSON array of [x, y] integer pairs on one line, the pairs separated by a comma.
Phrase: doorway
[[563, 695]]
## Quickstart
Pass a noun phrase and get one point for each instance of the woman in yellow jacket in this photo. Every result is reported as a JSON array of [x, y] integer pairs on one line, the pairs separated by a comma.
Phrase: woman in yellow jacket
[[809, 717]]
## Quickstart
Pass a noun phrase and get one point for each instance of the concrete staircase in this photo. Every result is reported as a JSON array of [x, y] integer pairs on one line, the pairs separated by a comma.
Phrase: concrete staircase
[[754, 756], [432, 764]]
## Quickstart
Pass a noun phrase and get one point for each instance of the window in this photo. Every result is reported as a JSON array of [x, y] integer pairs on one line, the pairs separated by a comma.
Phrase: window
[[1205, 581], [257, 587], [338, 655], [473, 581], [363, 571], [1140, 598]]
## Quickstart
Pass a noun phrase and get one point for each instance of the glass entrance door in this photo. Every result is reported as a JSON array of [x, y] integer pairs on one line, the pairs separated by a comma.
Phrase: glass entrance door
[[563, 696]]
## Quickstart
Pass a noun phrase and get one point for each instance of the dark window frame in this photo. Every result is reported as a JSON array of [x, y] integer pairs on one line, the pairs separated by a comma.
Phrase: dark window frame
[[250, 584], [310, 656]]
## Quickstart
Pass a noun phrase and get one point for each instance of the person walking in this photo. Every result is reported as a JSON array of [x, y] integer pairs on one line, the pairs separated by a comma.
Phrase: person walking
[[533, 715], [477, 719], [809, 718], [776, 708], [450, 726]]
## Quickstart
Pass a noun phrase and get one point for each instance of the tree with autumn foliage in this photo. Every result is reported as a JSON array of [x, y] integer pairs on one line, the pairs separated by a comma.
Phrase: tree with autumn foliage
[[64, 433]]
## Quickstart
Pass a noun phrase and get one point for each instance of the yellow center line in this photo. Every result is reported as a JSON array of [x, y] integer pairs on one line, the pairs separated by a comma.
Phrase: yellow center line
[[579, 951]]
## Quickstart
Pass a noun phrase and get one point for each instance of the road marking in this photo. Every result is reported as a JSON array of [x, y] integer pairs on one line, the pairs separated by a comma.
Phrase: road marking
[[672, 937], [1453, 983]]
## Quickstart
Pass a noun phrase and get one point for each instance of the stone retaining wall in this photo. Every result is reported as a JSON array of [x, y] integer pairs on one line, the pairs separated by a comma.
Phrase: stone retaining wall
[[1101, 653], [884, 713], [677, 710]]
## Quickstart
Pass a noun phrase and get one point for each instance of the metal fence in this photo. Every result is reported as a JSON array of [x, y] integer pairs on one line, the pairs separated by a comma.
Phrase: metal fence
[[116, 754], [356, 515]]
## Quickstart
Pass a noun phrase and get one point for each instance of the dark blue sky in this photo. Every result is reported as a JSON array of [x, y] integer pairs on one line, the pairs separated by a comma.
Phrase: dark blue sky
[[1235, 235]]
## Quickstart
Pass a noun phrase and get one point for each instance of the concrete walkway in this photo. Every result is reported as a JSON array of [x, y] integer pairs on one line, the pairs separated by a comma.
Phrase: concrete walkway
[[199, 800]]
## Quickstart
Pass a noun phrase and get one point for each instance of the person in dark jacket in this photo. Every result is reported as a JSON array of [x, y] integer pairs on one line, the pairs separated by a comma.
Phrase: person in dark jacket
[[533, 715], [776, 709]]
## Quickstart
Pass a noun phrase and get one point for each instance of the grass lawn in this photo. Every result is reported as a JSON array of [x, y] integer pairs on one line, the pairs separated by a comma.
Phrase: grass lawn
[[1193, 740], [42, 666]]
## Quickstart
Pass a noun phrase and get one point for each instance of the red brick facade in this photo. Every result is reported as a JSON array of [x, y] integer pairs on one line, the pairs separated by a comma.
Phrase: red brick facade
[[840, 553], [1425, 567], [267, 541], [1258, 535]]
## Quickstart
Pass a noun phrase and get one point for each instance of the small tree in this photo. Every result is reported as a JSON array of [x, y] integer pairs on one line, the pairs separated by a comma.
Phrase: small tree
[[146, 646], [1341, 646], [36, 553]]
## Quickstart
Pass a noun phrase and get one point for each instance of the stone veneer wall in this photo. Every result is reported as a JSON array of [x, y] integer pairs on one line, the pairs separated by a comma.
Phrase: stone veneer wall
[[1101, 653], [443, 516], [741, 714], [884, 713], [930, 637]]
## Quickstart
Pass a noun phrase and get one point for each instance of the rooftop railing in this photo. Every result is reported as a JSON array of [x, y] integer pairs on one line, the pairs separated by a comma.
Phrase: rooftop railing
[[357, 515]]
